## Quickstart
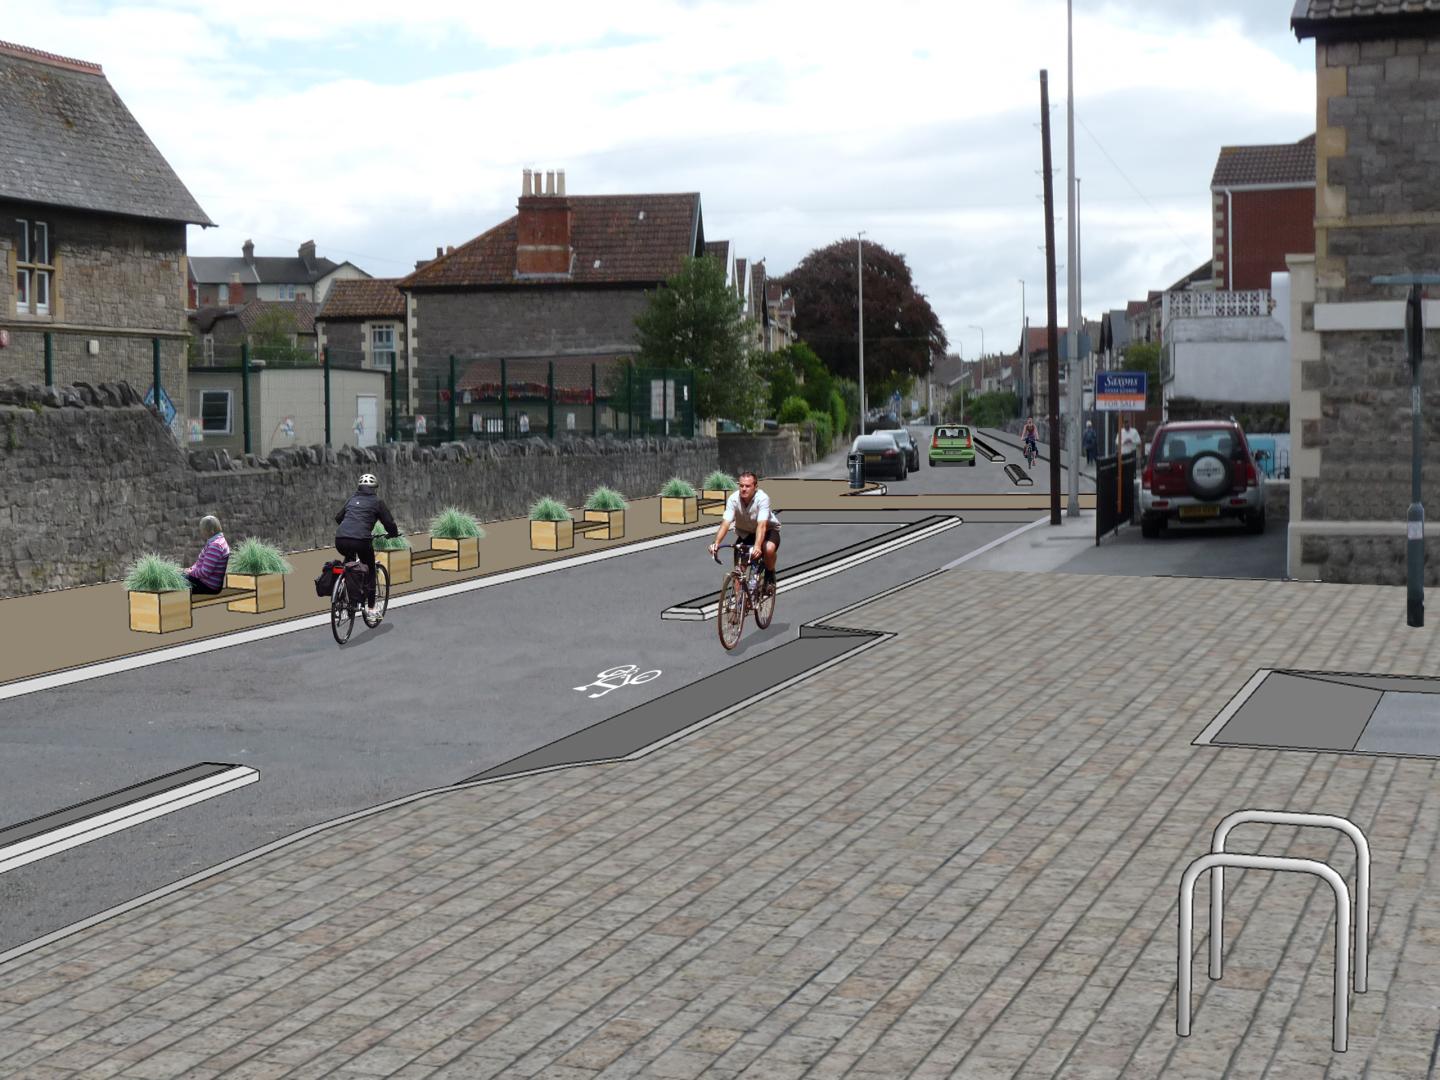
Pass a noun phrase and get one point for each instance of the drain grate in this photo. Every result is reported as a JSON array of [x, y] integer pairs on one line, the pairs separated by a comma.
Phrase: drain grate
[[1341, 712]]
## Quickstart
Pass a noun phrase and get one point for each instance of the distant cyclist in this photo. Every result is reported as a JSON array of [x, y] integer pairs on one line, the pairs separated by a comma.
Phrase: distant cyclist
[[748, 510], [1030, 435], [353, 538]]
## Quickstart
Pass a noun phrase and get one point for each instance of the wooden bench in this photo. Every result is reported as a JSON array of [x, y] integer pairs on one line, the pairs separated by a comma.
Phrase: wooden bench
[[583, 527], [429, 555], [224, 596], [710, 502]]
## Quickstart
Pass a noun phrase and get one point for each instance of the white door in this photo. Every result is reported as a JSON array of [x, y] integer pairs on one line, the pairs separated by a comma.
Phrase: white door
[[367, 412]]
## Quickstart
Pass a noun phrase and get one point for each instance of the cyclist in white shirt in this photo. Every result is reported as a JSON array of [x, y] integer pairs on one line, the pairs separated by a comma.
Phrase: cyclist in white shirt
[[748, 510]]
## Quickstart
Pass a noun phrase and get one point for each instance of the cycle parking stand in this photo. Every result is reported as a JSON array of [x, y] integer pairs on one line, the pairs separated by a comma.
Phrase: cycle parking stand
[[1218, 859]]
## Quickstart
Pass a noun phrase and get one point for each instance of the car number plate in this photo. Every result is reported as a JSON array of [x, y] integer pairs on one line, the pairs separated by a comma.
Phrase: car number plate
[[1199, 511]]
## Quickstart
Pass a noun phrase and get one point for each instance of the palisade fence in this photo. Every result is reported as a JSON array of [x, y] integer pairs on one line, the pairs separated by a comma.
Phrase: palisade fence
[[467, 398]]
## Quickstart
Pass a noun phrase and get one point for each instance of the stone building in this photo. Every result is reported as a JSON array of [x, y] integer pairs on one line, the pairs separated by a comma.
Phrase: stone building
[[366, 325], [1264, 205], [92, 231], [1377, 212]]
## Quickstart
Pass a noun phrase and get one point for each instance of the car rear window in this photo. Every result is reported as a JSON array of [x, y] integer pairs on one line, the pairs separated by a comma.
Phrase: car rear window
[[951, 433], [1185, 444]]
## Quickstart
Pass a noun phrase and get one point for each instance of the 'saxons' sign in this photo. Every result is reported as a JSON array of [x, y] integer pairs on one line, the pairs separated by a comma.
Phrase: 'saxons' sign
[[1118, 391]]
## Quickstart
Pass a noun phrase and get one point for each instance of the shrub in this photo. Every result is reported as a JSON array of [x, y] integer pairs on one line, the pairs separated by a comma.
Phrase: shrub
[[839, 417], [151, 573], [604, 498], [385, 543], [548, 509], [824, 432], [252, 556], [794, 410], [453, 523], [719, 481], [675, 488]]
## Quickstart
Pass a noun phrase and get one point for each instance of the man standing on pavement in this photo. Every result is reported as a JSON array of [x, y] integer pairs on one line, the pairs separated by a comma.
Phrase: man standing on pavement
[[1129, 438]]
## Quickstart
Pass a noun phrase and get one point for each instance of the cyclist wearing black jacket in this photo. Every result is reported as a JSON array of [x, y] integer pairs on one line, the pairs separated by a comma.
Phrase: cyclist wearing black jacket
[[357, 523]]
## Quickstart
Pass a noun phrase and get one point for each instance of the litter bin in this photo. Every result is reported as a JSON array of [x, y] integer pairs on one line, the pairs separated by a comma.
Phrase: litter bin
[[856, 462]]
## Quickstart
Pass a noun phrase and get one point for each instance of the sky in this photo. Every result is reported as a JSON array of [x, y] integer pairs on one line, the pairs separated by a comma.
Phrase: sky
[[384, 130]]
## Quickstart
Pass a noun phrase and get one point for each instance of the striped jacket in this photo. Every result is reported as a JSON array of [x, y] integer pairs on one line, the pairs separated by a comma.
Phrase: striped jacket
[[210, 566]]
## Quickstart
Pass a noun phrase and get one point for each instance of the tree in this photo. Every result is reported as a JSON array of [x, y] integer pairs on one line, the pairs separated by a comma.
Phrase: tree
[[1145, 356], [903, 336], [696, 322], [272, 338]]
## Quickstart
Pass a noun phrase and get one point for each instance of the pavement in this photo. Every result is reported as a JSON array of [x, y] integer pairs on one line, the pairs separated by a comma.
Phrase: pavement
[[954, 854]]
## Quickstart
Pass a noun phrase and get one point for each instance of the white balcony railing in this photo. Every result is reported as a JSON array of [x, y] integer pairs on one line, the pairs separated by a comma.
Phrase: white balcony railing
[[1249, 303]]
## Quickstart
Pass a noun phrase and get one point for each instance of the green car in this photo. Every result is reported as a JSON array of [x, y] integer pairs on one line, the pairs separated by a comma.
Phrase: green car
[[952, 443]]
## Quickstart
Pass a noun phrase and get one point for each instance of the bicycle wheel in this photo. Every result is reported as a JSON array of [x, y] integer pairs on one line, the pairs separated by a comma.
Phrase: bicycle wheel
[[382, 596], [765, 610], [342, 611], [730, 619]]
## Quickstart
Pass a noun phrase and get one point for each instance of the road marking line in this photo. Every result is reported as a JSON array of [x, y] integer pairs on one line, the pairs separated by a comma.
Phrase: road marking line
[[55, 679], [1231, 707], [995, 543]]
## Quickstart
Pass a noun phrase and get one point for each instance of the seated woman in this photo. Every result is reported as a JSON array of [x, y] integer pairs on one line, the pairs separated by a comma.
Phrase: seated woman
[[207, 575]]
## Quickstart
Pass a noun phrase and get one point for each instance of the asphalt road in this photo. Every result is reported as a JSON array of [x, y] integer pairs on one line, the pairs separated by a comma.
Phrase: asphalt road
[[443, 690]]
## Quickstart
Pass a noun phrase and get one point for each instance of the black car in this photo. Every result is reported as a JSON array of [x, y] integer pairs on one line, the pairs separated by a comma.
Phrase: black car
[[882, 454], [905, 441]]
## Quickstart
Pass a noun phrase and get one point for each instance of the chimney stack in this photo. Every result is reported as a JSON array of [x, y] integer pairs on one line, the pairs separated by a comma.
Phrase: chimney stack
[[307, 254], [439, 251], [248, 250], [544, 226], [525, 184]]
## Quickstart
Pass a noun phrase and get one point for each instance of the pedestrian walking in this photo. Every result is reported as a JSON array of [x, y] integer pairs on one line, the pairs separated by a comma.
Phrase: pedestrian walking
[[1087, 440]]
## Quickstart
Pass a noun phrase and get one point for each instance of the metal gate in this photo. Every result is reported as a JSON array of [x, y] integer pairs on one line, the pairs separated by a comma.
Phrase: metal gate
[[1114, 493]]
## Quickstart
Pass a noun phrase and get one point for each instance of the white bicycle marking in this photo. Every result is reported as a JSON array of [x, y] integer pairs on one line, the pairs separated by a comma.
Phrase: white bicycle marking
[[627, 676]]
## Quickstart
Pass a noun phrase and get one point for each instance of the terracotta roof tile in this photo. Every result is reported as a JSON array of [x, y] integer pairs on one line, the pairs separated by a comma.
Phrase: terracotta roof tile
[[302, 312], [614, 238], [363, 298], [1355, 19], [1283, 163]]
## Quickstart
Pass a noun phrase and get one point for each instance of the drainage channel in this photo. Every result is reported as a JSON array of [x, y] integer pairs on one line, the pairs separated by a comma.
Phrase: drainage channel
[[704, 607], [648, 727]]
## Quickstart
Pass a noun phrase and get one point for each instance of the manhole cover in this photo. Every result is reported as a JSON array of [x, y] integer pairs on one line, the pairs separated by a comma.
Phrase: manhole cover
[[1331, 710]]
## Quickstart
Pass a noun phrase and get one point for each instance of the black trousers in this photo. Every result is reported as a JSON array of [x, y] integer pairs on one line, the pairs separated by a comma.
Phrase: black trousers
[[196, 585], [364, 550]]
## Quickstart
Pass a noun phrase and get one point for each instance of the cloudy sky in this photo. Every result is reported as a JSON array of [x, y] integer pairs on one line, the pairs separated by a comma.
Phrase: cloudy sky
[[381, 130]]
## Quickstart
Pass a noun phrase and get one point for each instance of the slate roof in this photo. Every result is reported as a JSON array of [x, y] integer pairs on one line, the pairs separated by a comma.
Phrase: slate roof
[[265, 269], [363, 298], [1282, 163], [301, 313], [1343, 20], [66, 139], [615, 239]]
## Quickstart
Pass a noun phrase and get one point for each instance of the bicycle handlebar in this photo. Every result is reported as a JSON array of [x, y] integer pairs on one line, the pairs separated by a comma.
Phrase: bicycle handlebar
[[718, 548]]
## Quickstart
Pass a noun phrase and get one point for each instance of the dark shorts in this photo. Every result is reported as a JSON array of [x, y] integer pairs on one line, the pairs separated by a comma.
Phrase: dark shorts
[[748, 539], [198, 586]]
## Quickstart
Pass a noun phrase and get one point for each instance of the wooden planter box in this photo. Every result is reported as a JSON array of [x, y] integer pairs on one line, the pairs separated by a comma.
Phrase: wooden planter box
[[552, 535], [160, 612], [397, 565], [679, 511], [614, 524], [715, 493], [269, 592], [467, 553]]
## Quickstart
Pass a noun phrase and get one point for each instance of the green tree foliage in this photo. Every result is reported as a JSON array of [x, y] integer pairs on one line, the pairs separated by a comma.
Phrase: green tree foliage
[[839, 415], [793, 410], [903, 336], [696, 322], [985, 410], [1145, 356], [272, 338]]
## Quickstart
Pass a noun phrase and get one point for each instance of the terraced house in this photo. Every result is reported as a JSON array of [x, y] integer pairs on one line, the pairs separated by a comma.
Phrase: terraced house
[[92, 232]]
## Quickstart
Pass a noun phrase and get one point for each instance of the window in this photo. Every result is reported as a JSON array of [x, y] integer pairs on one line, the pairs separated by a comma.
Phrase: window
[[215, 412], [33, 267], [284, 292], [222, 295], [382, 346]]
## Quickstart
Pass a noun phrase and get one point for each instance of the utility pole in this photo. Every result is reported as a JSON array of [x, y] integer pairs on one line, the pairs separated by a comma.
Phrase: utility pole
[[1072, 317], [860, 283], [1053, 337], [1024, 349]]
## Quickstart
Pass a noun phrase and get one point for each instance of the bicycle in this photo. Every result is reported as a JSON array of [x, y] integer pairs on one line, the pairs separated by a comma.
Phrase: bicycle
[[743, 590], [1030, 453], [348, 597]]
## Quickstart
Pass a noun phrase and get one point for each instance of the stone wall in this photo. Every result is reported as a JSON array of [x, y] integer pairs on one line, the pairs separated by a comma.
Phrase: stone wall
[[94, 479], [532, 321], [776, 453], [1377, 212]]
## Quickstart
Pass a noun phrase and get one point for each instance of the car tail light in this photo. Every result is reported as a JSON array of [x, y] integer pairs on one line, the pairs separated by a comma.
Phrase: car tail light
[[890, 453], [935, 441], [1251, 480], [1147, 476]]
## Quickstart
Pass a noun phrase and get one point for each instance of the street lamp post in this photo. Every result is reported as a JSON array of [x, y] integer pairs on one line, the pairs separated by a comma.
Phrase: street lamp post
[[1415, 520], [860, 313], [1024, 348], [972, 326]]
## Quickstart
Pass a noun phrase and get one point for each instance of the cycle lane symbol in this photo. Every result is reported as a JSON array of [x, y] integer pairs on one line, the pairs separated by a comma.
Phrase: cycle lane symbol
[[615, 678]]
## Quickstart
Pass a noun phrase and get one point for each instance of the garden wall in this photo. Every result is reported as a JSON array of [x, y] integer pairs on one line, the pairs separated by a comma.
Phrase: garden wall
[[93, 479]]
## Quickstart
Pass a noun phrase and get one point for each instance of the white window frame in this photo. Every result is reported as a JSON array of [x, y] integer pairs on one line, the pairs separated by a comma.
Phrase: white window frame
[[34, 268], [380, 354], [229, 412], [207, 348], [222, 294], [284, 292]]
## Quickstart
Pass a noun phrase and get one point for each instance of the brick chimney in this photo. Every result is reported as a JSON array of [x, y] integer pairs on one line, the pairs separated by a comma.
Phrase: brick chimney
[[307, 255], [543, 230], [248, 250]]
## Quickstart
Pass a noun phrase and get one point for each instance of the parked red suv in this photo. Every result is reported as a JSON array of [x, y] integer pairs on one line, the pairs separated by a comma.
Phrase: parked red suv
[[1200, 470]]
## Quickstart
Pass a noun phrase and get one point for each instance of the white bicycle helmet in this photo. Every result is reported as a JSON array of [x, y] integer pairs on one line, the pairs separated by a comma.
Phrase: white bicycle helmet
[[368, 481]]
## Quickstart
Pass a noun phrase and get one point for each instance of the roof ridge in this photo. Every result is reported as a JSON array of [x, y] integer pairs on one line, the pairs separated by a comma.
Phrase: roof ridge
[[40, 56]]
